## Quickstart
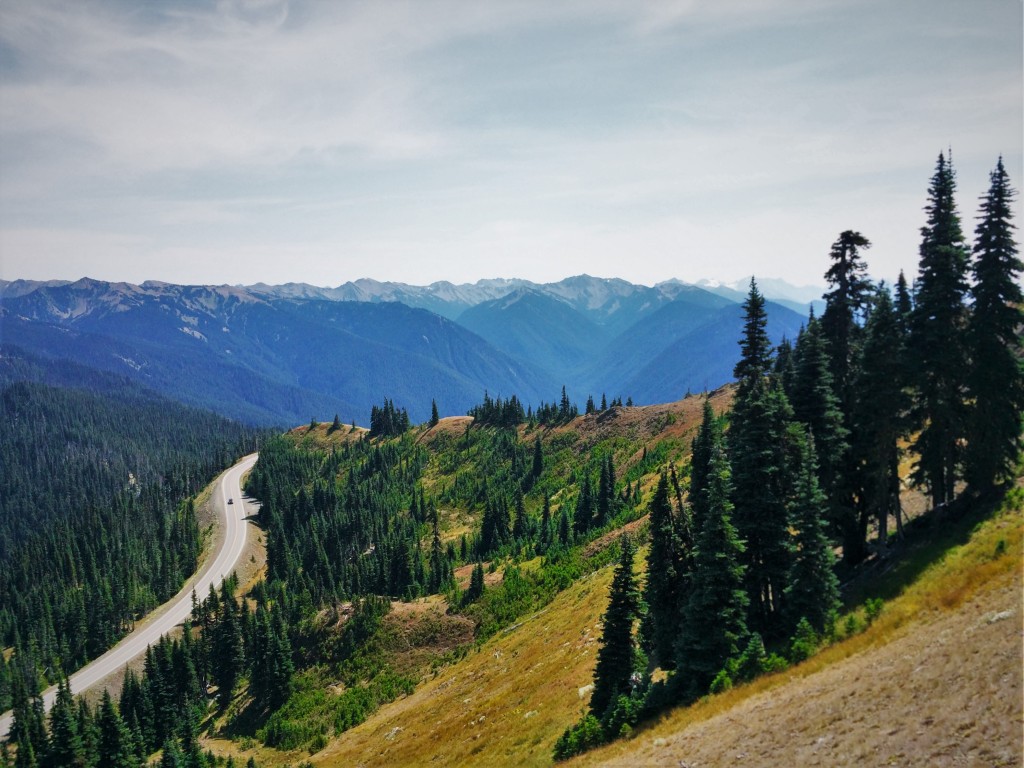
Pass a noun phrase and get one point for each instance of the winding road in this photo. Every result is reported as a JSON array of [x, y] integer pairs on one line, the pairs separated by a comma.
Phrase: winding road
[[177, 609]]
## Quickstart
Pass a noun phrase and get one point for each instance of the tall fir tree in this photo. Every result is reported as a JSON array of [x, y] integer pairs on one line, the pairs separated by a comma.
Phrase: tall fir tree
[[116, 749], [757, 448], [817, 405], [845, 306], [709, 434], [996, 378], [938, 340], [65, 746], [815, 402], [812, 592], [755, 347], [616, 658], [714, 625], [880, 418], [664, 583], [229, 652]]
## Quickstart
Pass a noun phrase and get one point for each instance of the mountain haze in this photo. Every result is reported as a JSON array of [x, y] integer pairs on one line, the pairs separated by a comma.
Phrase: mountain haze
[[283, 354]]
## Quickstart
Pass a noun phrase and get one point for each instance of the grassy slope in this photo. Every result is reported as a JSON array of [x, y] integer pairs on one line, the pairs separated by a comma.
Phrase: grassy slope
[[507, 702], [935, 680]]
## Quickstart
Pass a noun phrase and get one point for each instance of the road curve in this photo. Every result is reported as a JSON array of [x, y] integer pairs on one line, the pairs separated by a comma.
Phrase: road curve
[[178, 608]]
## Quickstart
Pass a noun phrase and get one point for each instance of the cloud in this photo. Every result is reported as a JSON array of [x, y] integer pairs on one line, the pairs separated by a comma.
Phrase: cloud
[[432, 135]]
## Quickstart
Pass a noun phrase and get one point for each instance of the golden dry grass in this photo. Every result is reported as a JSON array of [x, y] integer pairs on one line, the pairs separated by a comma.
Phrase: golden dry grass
[[504, 704], [936, 680]]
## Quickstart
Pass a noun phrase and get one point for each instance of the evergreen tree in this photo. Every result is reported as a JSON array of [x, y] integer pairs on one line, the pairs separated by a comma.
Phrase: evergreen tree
[[476, 584], [172, 756], [664, 584], [880, 415], [538, 458], [65, 747], [785, 370], [812, 591], [606, 492], [755, 347], [228, 652], [616, 658], [116, 749], [584, 517], [709, 434], [714, 619], [845, 306], [440, 568], [904, 305], [816, 404], [758, 442], [996, 378], [520, 523], [937, 340]]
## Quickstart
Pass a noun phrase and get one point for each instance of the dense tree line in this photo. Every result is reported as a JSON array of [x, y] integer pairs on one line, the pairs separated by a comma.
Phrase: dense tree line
[[387, 421], [811, 459], [162, 708], [96, 522]]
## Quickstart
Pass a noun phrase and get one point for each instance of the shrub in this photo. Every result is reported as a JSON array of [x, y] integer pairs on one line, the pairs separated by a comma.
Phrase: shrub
[[804, 642], [623, 714], [722, 682], [872, 608], [586, 734]]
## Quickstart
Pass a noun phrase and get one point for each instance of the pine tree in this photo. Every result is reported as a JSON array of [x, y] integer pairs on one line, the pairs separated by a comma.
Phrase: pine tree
[[784, 369], [880, 415], [812, 591], [996, 378], [520, 523], [172, 756], [434, 417], [709, 434], [714, 623], [664, 584], [816, 405], [815, 402], [229, 653], [440, 571], [65, 747], [584, 517], [938, 342], [904, 305], [616, 658], [476, 584], [845, 306], [755, 347], [758, 442], [115, 740]]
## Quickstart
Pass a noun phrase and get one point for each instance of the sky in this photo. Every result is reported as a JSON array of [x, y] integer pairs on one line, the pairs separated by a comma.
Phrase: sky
[[422, 140]]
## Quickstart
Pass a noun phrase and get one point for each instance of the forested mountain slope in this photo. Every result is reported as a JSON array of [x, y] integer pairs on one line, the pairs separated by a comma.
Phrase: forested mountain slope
[[280, 355], [95, 524]]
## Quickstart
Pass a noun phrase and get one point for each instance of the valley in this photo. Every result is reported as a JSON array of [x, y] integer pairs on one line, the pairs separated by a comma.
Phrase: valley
[[280, 355]]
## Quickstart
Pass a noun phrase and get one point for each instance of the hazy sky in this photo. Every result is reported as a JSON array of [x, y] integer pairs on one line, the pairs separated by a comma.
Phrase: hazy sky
[[236, 142]]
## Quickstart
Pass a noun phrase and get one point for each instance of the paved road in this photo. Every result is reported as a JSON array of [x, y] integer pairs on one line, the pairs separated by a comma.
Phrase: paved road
[[178, 608]]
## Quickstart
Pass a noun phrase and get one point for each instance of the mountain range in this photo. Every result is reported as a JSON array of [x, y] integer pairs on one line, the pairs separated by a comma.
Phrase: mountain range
[[283, 354]]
